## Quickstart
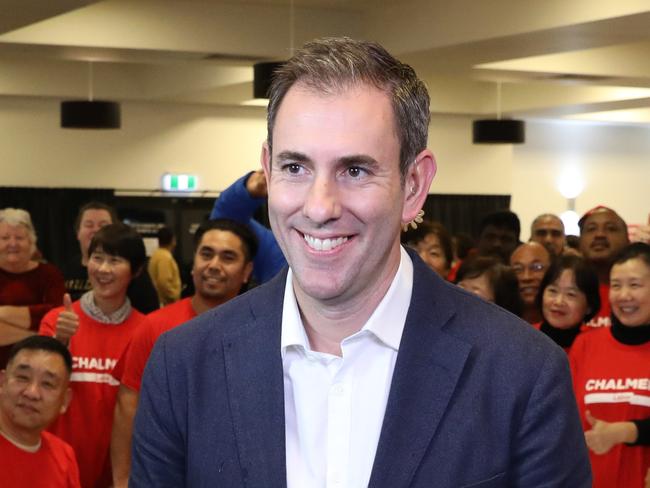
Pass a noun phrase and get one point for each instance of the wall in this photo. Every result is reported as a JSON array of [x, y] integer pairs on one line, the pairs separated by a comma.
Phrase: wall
[[220, 144], [613, 162]]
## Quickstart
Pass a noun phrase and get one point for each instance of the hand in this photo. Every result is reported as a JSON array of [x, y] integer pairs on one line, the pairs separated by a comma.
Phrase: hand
[[642, 233], [647, 479], [67, 322], [605, 435], [256, 184]]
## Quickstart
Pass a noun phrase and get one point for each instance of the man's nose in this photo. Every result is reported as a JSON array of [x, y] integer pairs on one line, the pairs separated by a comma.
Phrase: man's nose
[[322, 202], [32, 390]]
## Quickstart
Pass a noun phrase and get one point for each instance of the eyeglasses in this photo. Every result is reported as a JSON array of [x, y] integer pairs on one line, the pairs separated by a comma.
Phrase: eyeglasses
[[532, 267]]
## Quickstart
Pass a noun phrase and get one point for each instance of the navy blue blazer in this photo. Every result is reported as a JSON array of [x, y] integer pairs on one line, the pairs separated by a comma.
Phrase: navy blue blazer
[[478, 398]]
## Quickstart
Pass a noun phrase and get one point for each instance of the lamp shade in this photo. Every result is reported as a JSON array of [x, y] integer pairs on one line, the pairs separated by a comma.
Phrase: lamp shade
[[498, 131], [85, 114], [262, 77]]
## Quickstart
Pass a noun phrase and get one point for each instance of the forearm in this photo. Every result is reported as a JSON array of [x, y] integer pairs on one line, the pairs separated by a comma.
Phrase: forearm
[[10, 334], [16, 316], [125, 408]]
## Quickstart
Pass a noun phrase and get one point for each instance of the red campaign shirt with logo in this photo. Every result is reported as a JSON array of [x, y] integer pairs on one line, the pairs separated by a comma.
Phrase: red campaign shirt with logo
[[131, 367], [601, 319], [612, 381], [52, 466], [86, 426]]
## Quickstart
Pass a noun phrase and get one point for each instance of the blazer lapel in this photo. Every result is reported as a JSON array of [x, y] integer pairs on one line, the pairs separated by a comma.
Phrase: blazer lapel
[[256, 389], [429, 364]]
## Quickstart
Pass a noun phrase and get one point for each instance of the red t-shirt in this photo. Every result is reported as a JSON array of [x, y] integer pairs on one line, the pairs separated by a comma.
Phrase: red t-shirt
[[131, 367], [86, 426], [52, 466], [612, 381]]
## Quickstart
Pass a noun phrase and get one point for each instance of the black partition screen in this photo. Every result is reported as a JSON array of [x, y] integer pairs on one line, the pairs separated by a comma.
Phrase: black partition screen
[[463, 213]]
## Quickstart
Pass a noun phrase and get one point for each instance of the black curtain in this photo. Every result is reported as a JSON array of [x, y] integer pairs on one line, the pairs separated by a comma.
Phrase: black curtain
[[53, 212], [463, 213]]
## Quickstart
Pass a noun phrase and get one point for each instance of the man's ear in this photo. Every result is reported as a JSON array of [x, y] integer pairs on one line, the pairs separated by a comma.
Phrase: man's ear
[[248, 270], [66, 401], [417, 181], [265, 160]]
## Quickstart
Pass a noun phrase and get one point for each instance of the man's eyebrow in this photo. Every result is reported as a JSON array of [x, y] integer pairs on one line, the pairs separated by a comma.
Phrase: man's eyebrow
[[359, 159], [294, 156]]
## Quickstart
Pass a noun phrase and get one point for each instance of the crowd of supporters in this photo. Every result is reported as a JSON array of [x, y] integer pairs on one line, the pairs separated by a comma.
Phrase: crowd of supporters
[[103, 309]]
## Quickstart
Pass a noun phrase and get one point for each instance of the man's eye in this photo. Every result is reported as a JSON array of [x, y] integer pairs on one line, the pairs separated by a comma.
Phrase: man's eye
[[355, 171], [292, 168]]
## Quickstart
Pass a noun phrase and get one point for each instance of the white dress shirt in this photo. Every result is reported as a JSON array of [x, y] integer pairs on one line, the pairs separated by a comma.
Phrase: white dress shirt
[[334, 406]]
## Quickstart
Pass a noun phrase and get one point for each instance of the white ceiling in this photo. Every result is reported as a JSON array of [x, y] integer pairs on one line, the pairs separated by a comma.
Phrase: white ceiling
[[574, 59]]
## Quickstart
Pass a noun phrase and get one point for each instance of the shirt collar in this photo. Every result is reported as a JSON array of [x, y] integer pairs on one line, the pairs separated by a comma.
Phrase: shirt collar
[[386, 322]]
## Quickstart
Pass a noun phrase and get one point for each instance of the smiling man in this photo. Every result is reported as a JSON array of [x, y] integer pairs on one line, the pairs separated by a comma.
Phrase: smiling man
[[223, 262], [603, 234], [357, 366], [34, 390]]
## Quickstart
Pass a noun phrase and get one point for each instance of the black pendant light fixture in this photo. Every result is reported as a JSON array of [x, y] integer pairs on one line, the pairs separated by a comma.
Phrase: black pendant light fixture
[[90, 114], [262, 77], [498, 131]]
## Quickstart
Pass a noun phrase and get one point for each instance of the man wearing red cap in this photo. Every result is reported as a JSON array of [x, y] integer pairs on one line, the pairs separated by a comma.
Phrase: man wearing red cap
[[603, 234]]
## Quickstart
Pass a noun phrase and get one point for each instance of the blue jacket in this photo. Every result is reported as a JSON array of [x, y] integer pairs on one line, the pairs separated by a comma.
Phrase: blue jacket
[[478, 398], [236, 203]]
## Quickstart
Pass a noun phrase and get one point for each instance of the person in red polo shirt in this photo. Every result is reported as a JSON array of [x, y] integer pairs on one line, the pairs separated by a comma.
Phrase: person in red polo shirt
[[223, 263]]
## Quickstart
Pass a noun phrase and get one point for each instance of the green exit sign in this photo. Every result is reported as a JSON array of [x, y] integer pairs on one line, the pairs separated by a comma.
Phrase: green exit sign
[[179, 182]]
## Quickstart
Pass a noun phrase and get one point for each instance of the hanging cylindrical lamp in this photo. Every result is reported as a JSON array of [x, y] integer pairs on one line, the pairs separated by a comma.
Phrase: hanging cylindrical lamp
[[90, 114], [498, 131]]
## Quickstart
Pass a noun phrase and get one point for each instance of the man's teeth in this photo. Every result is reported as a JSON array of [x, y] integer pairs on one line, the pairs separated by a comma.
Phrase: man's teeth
[[324, 244]]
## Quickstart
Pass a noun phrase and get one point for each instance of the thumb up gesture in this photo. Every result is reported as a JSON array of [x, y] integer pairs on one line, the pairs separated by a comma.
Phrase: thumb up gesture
[[67, 322]]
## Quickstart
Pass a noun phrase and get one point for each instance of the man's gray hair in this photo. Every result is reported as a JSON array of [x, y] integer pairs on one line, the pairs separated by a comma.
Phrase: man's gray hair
[[331, 65], [17, 216]]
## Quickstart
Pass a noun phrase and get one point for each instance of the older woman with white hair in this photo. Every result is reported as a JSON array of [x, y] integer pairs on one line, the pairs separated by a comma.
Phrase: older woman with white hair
[[28, 289]]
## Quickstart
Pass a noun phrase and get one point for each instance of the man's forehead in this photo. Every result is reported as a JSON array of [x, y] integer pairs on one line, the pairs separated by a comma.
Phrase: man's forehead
[[303, 101], [219, 240], [96, 214], [530, 252], [38, 360], [603, 215], [549, 222]]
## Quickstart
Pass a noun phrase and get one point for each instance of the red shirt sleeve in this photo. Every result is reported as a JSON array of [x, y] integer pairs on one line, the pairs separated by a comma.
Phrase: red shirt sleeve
[[131, 365], [48, 323]]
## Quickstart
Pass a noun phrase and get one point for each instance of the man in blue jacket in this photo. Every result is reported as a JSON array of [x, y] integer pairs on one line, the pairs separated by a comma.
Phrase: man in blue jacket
[[357, 366]]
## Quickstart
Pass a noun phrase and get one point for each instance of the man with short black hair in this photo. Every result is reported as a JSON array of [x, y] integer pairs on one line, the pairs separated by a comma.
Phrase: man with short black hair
[[34, 390], [603, 234], [223, 261], [499, 235]]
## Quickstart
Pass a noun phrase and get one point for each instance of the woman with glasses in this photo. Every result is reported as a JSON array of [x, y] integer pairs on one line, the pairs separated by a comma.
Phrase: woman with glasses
[[568, 297], [611, 376], [97, 328]]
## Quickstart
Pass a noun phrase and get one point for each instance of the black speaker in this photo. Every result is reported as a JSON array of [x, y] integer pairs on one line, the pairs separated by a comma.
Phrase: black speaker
[[85, 114], [262, 77], [498, 131]]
